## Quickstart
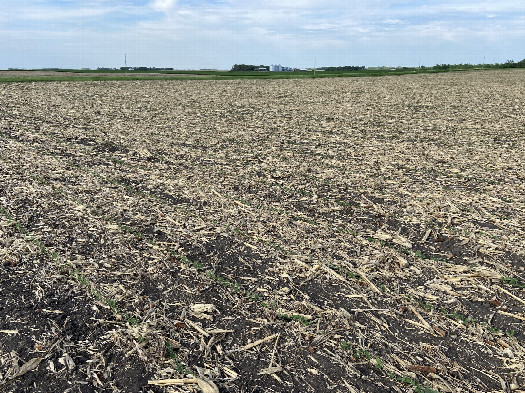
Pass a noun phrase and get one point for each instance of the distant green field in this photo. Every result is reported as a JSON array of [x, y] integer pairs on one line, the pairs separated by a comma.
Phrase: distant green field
[[31, 78], [112, 75]]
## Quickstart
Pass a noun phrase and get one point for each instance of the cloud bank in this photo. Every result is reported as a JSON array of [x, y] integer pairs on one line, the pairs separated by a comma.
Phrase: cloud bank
[[219, 33]]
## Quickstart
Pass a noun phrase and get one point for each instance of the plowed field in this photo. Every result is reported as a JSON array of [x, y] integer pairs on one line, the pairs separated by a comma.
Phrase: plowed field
[[321, 235]]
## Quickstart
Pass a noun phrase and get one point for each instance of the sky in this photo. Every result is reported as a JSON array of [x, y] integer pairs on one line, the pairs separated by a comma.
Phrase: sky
[[197, 34]]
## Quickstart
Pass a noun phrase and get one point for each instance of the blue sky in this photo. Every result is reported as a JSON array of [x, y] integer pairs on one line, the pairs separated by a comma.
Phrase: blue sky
[[187, 34]]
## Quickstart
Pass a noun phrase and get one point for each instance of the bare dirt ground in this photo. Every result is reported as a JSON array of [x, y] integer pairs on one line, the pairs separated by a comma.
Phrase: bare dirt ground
[[334, 235]]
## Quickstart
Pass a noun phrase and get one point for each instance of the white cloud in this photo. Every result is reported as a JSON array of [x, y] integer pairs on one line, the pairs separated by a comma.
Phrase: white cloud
[[392, 21], [456, 10], [43, 13], [163, 5]]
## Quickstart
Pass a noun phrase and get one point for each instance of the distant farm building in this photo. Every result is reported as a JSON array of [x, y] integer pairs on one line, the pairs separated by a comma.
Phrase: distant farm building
[[279, 68]]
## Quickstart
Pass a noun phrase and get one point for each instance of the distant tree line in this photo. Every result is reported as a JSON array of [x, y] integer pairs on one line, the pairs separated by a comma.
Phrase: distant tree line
[[512, 64], [507, 64], [344, 68], [146, 69]]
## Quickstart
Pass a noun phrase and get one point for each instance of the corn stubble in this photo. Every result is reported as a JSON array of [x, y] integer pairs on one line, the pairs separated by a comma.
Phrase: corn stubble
[[334, 235]]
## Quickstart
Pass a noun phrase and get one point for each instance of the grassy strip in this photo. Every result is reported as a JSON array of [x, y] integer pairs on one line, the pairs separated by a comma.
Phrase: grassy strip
[[33, 79], [117, 75]]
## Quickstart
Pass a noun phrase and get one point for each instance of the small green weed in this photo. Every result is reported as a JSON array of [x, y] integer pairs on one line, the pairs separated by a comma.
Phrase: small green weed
[[418, 388], [344, 272], [513, 282], [379, 363], [295, 317], [133, 321], [170, 351], [358, 353], [457, 316]]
